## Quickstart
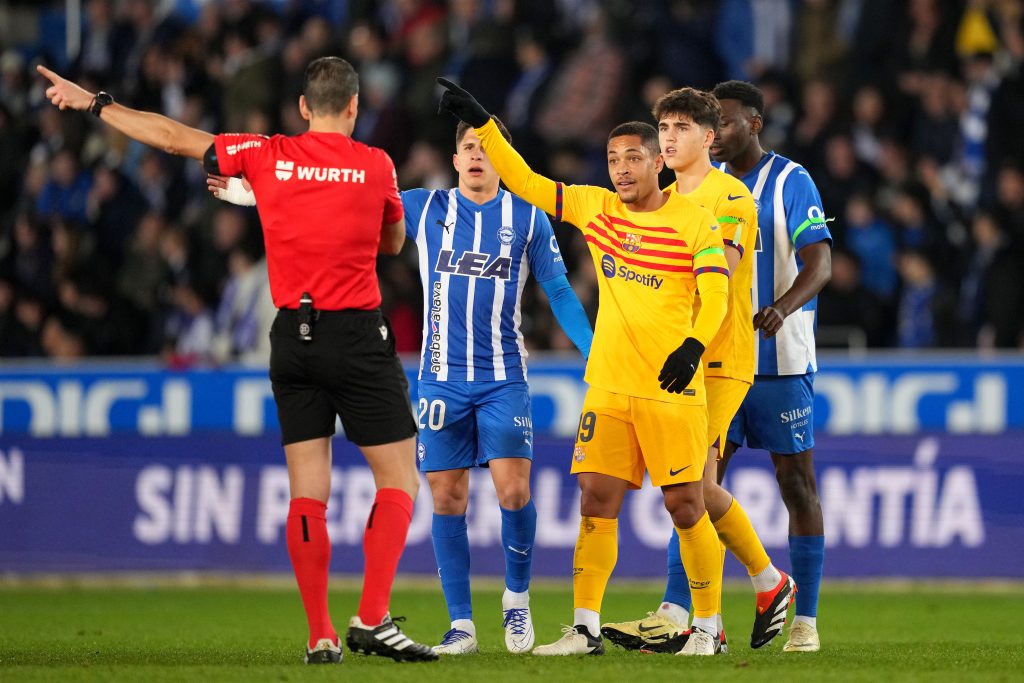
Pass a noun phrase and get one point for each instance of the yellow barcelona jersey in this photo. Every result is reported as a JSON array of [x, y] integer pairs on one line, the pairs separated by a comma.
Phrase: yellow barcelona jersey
[[731, 353], [647, 265]]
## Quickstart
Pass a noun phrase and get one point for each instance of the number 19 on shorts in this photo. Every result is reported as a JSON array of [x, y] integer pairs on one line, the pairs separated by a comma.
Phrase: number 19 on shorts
[[433, 412]]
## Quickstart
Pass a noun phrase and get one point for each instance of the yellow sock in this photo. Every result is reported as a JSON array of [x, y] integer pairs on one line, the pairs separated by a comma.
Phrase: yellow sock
[[721, 549], [738, 535], [597, 550], [702, 559]]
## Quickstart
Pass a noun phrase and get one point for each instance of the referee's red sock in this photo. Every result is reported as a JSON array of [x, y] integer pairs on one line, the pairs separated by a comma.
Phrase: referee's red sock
[[310, 550], [383, 543]]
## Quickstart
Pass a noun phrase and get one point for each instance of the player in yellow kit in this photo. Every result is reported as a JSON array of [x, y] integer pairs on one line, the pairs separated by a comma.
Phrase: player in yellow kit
[[655, 251], [687, 121]]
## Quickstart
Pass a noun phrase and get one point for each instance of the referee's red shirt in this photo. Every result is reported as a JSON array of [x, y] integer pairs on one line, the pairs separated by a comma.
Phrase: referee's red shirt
[[323, 199]]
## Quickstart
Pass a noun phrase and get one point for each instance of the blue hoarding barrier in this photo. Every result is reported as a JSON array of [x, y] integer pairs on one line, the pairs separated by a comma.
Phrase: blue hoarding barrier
[[917, 506], [881, 394]]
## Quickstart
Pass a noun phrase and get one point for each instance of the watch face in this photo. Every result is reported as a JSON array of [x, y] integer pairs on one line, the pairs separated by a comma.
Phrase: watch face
[[104, 99]]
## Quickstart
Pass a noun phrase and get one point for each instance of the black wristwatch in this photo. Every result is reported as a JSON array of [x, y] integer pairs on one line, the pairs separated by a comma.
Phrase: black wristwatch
[[101, 100]]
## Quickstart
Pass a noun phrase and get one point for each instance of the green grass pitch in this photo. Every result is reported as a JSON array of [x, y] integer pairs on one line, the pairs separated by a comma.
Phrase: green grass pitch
[[869, 633]]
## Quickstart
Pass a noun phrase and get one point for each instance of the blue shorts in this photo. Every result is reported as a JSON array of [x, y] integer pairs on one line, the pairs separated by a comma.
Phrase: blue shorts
[[777, 415], [466, 424]]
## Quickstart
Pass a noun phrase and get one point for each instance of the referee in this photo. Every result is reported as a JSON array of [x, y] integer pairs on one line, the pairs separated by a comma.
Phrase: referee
[[328, 205]]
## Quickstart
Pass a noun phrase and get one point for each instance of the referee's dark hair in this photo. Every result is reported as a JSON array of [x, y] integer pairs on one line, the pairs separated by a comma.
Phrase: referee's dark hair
[[460, 132], [747, 93], [647, 133], [329, 85], [700, 107]]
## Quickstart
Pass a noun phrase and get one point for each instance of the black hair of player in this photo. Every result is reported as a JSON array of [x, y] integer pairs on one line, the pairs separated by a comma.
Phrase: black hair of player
[[647, 133], [329, 85], [747, 93], [697, 105], [460, 132]]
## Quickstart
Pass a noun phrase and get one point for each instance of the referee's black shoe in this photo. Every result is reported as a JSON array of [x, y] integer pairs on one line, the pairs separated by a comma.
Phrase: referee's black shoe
[[386, 640], [326, 651]]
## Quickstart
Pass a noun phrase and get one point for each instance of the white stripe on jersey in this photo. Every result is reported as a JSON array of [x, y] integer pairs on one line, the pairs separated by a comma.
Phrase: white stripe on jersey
[[524, 272], [499, 296], [470, 296], [794, 343], [762, 178], [421, 248], [446, 244]]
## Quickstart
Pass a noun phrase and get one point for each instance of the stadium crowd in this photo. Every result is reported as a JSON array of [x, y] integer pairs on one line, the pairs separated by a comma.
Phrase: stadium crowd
[[905, 114]]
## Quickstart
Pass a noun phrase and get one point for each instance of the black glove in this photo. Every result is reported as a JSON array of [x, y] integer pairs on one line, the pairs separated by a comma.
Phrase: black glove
[[680, 366], [460, 104]]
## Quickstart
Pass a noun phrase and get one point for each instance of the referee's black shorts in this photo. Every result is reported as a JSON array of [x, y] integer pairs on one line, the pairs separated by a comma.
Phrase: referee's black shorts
[[349, 369]]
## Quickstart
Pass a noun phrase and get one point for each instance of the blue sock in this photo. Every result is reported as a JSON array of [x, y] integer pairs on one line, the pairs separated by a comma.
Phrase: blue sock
[[518, 531], [677, 588], [807, 554], [451, 548]]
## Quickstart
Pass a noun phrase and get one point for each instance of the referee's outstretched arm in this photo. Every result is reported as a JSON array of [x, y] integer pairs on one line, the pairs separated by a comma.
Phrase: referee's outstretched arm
[[151, 129]]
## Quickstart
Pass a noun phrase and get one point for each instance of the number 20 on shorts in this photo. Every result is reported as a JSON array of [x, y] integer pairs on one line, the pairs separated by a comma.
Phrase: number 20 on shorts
[[434, 413]]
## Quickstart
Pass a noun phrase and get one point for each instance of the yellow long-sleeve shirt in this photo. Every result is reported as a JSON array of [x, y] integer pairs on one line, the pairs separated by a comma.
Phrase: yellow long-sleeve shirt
[[650, 267], [731, 352]]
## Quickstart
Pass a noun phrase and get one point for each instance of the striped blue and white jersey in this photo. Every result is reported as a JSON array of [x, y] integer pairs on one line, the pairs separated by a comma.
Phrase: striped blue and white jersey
[[474, 260], [789, 217]]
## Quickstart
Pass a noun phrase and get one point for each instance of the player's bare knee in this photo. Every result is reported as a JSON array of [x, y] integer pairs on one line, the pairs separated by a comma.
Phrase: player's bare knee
[[685, 503], [594, 503], [514, 496]]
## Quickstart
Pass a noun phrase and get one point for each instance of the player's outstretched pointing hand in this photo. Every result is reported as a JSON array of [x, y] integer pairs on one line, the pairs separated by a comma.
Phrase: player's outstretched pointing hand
[[460, 104]]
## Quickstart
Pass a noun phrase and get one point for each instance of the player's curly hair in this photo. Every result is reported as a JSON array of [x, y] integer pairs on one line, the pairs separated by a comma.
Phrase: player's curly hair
[[329, 85], [699, 106], [747, 93], [647, 133]]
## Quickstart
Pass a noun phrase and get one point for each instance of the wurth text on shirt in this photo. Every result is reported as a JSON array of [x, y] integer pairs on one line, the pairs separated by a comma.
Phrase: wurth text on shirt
[[321, 174]]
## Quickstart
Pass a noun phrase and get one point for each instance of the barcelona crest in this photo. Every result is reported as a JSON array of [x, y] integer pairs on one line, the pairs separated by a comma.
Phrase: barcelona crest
[[632, 243]]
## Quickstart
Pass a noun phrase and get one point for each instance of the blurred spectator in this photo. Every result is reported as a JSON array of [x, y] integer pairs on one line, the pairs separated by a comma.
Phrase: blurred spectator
[[936, 126], [189, 329], [427, 167], [245, 313], [31, 257], [60, 340], [916, 320], [115, 207], [846, 306], [779, 111], [992, 292], [868, 125], [843, 176], [1010, 202], [584, 97], [871, 240], [144, 272], [685, 49], [820, 44], [813, 127], [66, 193], [906, 114], [527, 93]]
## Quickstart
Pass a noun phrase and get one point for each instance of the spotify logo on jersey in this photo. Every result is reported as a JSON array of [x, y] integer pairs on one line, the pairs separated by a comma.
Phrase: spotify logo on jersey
[[608, 266]]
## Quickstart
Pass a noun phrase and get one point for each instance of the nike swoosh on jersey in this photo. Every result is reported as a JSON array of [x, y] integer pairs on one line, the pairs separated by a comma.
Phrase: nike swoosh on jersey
[[672, 472], [734, 197]]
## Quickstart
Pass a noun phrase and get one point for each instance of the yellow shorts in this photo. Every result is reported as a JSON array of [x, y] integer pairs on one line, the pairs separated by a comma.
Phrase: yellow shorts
[[622, 435], [724, 398]]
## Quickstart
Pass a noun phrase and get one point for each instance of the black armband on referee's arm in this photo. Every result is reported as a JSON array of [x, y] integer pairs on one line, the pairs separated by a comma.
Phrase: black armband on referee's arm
[[210, 160]]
